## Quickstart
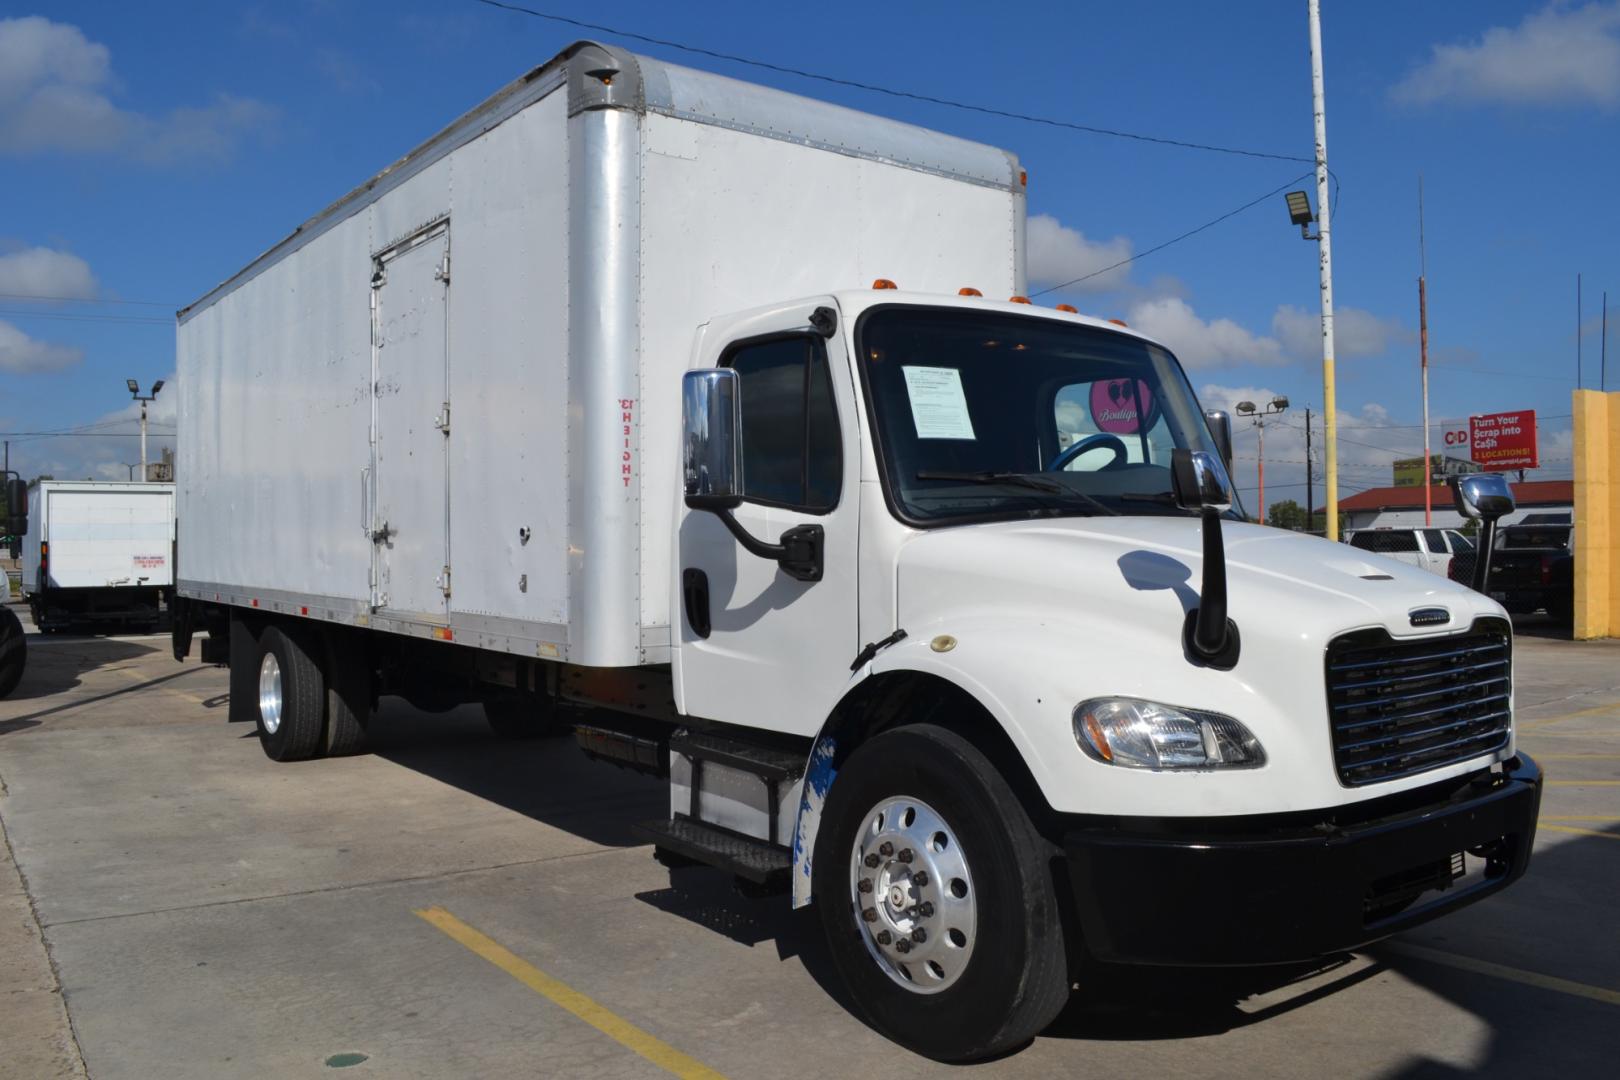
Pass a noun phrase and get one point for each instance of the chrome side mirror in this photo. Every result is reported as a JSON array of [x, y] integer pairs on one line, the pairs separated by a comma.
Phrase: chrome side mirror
[[711, 424], [1220, 429], [1199, 481], [1482, 496]]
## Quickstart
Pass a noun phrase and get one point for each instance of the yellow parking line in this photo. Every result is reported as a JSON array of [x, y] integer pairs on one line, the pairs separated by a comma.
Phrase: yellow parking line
[[1578, 831], [138, 677], [1502, 971], [614, 1027], [1593, 711]]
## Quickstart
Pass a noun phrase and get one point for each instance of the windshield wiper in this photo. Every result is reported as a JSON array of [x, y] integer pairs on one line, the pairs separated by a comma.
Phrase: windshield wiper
[[1164, 498], [1017, 479]]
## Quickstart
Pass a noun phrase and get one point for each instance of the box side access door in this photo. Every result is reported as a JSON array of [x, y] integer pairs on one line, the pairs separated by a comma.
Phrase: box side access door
[[406, 494]]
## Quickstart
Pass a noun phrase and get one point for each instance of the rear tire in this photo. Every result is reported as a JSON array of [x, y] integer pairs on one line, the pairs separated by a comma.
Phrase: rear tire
[[13, 651], [990, 970], [349, 686], [291, 697]]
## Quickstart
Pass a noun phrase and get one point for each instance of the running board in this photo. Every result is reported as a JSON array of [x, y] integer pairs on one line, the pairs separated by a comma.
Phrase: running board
[[748, 858]]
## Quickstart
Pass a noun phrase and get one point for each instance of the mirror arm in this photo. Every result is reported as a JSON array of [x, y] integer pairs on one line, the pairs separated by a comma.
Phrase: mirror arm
[[800, 551], [1209, 634]]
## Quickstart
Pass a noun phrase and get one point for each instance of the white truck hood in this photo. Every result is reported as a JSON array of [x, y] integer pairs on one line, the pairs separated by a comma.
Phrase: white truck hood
[[1136, 569]]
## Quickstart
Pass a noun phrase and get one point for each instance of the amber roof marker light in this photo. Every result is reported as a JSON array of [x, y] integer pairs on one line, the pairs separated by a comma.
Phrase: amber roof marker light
[[884, 283]]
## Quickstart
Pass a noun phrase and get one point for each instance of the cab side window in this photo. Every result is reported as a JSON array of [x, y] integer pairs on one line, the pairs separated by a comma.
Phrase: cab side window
[[792, 454]]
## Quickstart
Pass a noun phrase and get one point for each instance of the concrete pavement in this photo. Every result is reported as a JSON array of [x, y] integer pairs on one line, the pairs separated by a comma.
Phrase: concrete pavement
[[213, 914]]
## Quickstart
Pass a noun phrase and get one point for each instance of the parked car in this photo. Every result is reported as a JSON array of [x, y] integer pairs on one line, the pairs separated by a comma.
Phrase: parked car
[[1426, 549], [1532, 569]]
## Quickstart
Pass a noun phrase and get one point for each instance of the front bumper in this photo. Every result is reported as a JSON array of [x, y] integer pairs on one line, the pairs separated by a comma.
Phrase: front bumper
[[1283, 888]]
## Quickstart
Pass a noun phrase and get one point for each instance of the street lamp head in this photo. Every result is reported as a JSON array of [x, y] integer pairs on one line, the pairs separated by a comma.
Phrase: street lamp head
[[1299, 208], [134, 387], [1245, 407], [1279, 403], [159, 385]]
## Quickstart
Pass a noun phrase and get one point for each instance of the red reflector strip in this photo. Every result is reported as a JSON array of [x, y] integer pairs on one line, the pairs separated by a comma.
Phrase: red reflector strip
[[303, 611], [255, 601]]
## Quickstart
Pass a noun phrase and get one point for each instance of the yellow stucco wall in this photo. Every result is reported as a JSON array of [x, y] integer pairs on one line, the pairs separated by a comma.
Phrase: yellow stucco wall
[[1597, 514]]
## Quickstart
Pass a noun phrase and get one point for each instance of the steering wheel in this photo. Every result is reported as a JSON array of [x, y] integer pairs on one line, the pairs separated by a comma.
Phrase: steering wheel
[[1091, 442]]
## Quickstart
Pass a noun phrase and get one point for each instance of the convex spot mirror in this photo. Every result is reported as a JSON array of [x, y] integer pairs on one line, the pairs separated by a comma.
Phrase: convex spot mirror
[[1220, 429], [1199, 481], [711, 423], [1482, 496]]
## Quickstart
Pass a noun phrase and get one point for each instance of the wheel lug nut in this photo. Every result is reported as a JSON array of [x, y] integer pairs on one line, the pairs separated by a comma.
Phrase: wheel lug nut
[[925, 909], [885, 849], [865, 885], [920, 879], [919, 935], [903, 945], [884, 937], [905, 855], [869, 914], [871, 861]]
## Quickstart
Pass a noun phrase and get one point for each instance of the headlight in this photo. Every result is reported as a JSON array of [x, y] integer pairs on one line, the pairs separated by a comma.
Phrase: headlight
[[1146, 735]]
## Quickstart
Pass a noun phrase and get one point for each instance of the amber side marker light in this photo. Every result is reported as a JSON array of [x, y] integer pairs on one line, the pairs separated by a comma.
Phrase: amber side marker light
[[1019, 300], [1120, 322], [1070, 308], [884, 283], [968, 290]]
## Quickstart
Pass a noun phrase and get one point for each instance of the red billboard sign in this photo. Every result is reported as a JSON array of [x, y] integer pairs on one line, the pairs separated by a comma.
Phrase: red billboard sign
[[1503, 441]]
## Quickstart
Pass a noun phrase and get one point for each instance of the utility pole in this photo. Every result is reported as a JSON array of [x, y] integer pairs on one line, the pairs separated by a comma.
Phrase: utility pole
[[1258, 416], [1423, 354], [1603, 367], [1330, 438], [1577, 331], [1310, 489]]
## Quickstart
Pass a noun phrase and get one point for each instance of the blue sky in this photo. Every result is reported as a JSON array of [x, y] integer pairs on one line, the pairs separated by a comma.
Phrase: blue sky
[[149, 150]]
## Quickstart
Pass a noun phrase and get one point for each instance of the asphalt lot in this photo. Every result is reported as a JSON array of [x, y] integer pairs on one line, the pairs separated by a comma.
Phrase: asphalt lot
[[453, 905]]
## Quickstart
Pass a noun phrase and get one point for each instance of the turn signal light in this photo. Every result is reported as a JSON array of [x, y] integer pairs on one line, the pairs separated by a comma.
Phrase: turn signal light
[[884, 283], [1019, 300], [968, 290]]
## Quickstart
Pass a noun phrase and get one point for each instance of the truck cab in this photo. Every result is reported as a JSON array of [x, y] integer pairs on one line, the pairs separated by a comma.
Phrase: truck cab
[[959, 546]]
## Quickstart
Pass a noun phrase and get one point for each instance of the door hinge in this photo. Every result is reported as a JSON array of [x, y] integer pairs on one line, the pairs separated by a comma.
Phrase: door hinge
[[444, 582], [442, 272], [442, 421]]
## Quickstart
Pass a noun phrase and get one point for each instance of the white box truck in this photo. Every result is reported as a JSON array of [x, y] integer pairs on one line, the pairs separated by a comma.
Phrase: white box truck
[[98, 553], [930, 603]]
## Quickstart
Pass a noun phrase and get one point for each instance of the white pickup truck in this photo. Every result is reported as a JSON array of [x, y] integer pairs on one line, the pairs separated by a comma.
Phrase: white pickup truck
[[1425, 548], [932, 607]]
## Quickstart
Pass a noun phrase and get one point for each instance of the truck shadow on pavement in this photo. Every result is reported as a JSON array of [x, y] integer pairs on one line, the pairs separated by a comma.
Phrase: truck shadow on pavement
[[58, 664], [547, 779]]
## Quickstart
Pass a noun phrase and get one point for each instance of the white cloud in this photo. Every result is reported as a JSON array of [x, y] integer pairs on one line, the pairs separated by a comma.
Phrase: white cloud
[[1559, 55], [21, 354], [54, 97], [1056, 254], [1355, 332], [1201, 344], [108, 453], [40, 271]]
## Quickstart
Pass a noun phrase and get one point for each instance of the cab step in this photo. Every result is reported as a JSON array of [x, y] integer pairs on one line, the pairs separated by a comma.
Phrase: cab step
[[696, 841]]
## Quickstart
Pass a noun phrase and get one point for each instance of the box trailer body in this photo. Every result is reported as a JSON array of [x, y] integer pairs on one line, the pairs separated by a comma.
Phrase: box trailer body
[[930, 603], [98, 551], [477, 355]]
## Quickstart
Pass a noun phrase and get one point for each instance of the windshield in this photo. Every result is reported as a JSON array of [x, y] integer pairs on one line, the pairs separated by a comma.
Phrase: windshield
[[985, 415]]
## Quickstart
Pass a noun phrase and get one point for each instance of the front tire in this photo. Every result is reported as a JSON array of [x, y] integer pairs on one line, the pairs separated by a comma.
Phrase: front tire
[[291, 697], [969, 962]]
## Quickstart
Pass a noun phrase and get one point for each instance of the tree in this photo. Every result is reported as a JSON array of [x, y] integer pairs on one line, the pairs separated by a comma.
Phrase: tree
[[1286, 514]]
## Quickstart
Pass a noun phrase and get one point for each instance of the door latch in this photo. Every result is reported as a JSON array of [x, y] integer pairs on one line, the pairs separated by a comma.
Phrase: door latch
[[380, 536], [444, 582], [442, 421]]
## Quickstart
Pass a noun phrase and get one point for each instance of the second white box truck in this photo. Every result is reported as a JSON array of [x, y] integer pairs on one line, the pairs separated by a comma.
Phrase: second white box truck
[[98, 553], [929, 603]]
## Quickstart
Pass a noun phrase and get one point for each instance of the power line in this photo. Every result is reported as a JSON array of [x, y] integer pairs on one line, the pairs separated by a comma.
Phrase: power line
[[1177, 240], [85, 300], [907, 94], [58, 316]]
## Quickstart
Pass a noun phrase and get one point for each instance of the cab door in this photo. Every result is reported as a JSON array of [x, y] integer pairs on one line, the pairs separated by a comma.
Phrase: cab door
[[755, 645]]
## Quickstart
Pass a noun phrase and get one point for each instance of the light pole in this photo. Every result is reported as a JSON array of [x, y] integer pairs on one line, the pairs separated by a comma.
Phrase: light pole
[[1258, 418], [1299, 212], [135, 391]]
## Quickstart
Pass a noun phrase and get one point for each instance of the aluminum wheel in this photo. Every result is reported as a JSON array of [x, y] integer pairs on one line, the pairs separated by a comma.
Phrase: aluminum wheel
[[270, 693], [913, 895]]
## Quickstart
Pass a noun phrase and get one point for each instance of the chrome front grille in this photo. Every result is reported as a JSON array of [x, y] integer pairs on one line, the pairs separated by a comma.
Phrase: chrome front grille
[[1403, 707]]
